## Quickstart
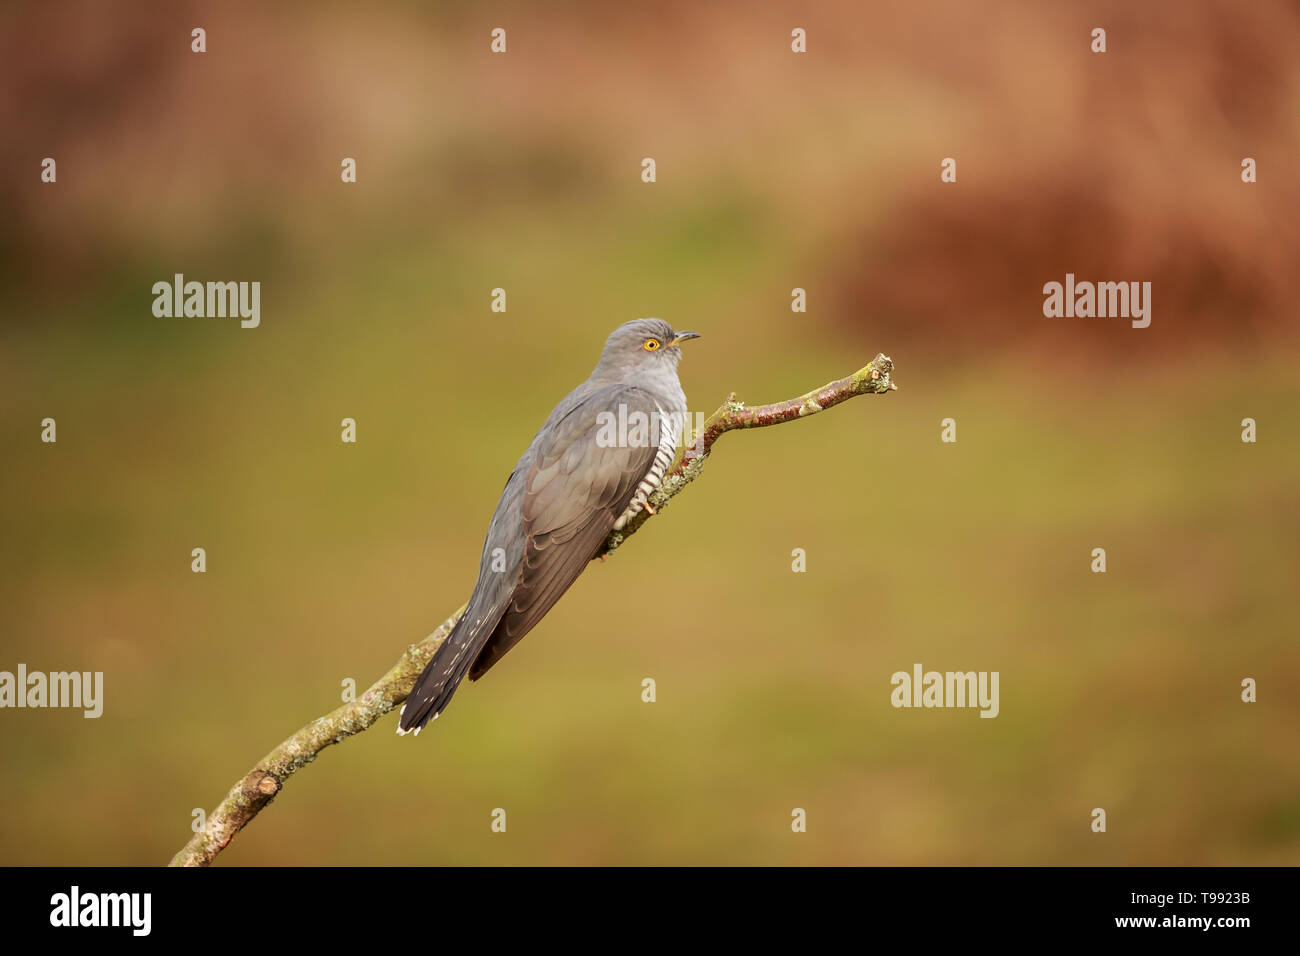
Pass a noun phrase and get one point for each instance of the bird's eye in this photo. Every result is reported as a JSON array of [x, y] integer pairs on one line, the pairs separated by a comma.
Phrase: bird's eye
[[650, 345]]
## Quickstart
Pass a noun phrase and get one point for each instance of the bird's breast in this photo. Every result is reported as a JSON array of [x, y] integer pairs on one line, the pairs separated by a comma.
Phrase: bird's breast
[[670, 429]]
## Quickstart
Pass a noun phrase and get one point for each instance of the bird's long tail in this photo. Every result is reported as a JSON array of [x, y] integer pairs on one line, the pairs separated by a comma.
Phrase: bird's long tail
[[443, 674]]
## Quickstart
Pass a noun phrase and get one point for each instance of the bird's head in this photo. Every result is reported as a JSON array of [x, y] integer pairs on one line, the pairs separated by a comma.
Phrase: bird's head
[[644, 344]]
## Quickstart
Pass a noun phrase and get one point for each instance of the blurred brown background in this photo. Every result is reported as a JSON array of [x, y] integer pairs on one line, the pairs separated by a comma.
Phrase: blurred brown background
[[775, 170]]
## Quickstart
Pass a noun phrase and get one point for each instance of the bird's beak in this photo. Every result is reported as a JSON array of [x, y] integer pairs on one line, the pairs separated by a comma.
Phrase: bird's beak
[[679, 337]]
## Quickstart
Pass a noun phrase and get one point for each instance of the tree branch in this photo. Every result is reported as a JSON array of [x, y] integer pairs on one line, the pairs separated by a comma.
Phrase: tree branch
[[258, 788]]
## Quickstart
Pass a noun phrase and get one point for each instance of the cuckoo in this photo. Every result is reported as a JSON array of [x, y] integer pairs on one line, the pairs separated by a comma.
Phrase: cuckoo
[[587, 472]]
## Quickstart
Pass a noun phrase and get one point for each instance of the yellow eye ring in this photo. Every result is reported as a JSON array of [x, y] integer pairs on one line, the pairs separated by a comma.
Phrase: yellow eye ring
[[650, 345]]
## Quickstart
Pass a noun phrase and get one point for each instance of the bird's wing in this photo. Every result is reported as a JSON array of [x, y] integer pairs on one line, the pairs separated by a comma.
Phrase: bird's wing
[[578, 485]]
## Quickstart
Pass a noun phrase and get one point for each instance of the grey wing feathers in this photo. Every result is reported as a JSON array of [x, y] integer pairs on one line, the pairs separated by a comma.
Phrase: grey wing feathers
[[575, 490]]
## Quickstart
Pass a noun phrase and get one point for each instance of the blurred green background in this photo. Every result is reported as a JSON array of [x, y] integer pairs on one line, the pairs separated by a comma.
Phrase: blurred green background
[[775, 171]]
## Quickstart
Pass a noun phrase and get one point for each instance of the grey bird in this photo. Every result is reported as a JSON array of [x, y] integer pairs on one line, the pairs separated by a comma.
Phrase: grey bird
[[587, 472]]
